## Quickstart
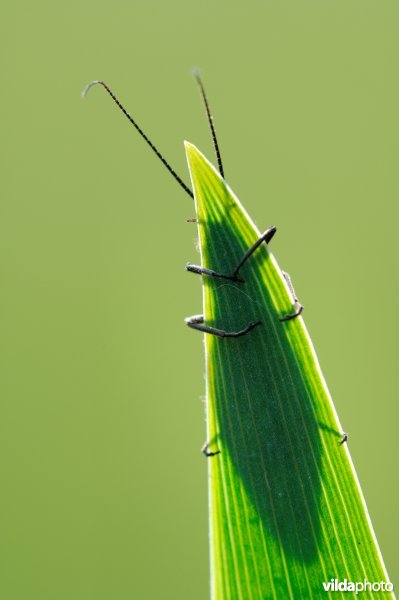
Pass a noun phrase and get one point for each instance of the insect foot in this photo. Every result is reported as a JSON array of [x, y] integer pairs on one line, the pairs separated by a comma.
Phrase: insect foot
[[197, 322], [344, 439], [298, 306], [298, 310], [208, 453]]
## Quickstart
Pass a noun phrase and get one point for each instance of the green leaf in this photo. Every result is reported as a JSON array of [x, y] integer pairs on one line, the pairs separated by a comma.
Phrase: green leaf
[[286, 509]]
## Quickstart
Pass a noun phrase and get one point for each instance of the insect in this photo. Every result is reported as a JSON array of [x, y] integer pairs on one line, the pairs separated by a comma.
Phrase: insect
[[197, 322]]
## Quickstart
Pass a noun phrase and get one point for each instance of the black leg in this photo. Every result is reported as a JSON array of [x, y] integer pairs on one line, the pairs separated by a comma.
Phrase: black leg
[[197, 322], [206, 452], [265, 237], [298, 306], [344, 439], [295, 314], [203, 271]]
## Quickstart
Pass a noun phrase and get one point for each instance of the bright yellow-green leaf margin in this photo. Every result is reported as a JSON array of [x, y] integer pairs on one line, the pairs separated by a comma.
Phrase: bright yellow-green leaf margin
[[286, 509]]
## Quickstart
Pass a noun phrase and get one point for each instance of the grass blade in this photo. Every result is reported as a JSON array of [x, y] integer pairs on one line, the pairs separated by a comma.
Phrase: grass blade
[[286, 509]]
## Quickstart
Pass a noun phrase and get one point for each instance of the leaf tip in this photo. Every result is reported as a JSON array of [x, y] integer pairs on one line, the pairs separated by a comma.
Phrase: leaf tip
[[194, 158], [191, 150]]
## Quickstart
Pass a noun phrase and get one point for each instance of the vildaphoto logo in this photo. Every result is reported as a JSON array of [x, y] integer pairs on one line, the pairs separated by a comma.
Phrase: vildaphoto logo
[[334, 585]]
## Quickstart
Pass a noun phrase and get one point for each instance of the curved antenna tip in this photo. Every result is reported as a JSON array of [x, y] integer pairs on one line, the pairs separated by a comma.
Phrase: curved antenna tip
[[196, 72], [90, 85]]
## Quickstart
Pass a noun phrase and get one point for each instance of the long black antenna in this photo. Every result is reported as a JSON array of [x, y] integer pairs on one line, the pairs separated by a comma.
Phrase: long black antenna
[[197, 76], [141, 132]]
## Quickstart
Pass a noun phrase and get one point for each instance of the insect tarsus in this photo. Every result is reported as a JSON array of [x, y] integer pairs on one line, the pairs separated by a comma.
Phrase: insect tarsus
[[298, 306], [208, 453], [197, 322]]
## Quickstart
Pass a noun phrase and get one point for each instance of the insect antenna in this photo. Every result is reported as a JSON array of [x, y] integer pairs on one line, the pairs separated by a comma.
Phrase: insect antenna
[[141, 132], [198, 79]]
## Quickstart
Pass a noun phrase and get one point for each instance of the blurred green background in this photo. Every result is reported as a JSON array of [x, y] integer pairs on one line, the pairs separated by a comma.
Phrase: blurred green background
[[103, 488]]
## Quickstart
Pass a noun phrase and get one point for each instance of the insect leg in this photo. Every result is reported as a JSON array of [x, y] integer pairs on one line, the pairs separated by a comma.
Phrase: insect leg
[[197, 322], [265, 237], [298, 306], [344, 439], [206, 452], [204, 271]]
